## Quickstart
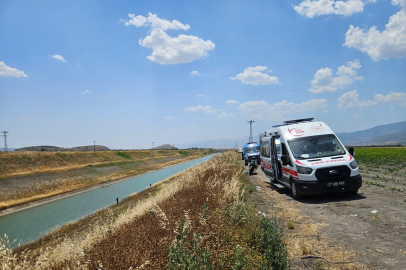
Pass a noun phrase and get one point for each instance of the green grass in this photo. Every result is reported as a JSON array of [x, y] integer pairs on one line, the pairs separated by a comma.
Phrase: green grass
[[184, 153], [391, 159], [124, 155]]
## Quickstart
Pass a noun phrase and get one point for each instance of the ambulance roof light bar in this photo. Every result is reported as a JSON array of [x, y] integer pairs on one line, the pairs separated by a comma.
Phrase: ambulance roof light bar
[[289, 122]]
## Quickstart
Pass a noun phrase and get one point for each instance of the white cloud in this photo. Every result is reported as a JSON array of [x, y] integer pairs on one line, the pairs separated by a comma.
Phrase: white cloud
[[312, 8], [181, 49], [263, 110], [326, 111], [254, 76], [58, 57], [226, 115], [325, 82], [78, 64], [200, 108], [390, 43], [354, 115], [154, 22], [350, 100], [6, 71], [86, 91], [168, 117], [199, 95], [195, 73], [167, 49], [232, 102], [396, 98]]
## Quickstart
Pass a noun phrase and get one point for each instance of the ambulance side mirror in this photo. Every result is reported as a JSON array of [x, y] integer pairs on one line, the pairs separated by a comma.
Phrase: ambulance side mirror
[[351, 151], [284, 160]]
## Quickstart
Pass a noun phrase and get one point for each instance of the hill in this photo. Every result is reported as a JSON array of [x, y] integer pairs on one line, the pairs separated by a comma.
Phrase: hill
[[49, 148], [383, 134], [165, 147]]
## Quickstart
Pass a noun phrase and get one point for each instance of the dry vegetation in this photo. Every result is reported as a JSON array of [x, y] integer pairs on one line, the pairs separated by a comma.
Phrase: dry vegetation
[[199, 220], [60, 172], [21, 163]]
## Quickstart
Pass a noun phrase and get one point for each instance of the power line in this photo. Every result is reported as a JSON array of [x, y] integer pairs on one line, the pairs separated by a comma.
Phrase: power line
[[250, 139], [5, 140]]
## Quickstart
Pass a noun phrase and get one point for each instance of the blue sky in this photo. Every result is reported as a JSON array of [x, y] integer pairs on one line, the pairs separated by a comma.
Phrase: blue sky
[[126, 73]]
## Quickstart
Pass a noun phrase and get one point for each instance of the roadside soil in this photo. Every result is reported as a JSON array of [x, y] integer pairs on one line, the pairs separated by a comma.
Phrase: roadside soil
[[20, 192], [342, 228]]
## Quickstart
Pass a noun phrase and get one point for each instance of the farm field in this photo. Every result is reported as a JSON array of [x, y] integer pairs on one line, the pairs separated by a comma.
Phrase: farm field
[[343, 231], [383, 167], [197, 219]]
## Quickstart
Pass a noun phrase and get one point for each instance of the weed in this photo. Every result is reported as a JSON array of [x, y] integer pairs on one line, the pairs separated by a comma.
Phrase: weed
[[305, 247], [260, 199], [186, 253], [250, 188], [290, 224]]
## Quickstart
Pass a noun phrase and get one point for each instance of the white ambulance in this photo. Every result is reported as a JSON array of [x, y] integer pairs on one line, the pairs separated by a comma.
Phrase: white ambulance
[[308, 158]]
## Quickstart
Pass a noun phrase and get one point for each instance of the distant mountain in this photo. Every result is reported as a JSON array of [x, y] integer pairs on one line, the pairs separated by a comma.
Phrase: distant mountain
[[8, 149], [49, 148], [165, 147], [384, 134], [220, 143]]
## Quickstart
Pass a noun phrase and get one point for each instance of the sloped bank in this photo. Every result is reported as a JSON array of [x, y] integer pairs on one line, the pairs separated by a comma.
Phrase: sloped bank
[[198, 219], [95, 169]]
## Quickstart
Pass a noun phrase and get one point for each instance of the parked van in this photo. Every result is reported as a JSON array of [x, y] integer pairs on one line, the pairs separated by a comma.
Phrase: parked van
[[308, 158], [251, 151]]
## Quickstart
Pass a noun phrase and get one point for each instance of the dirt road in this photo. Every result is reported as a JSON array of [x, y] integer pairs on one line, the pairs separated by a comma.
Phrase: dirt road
[[371, 223]]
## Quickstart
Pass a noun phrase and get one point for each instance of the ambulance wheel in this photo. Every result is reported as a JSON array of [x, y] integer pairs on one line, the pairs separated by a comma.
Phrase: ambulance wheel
[[246, 163], [295, 192]]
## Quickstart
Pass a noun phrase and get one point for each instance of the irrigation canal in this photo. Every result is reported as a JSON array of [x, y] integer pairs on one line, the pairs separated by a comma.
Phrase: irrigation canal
[[32, 223]]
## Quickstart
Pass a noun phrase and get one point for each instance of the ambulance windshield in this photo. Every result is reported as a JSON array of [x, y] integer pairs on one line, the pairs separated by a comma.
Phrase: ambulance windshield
[[316, 146], [251, 149]]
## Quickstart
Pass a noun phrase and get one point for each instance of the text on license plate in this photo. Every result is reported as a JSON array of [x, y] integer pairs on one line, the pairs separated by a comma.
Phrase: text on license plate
[[335, 184]]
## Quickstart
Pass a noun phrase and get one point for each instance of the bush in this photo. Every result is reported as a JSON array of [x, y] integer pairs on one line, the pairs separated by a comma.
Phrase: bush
[[186, 253], [124, 155]]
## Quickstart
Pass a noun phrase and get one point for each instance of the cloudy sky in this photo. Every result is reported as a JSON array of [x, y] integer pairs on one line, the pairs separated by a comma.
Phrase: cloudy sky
[[126, 73]]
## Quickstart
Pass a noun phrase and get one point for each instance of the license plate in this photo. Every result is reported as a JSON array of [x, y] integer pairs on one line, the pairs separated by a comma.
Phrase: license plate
[[336, 184]]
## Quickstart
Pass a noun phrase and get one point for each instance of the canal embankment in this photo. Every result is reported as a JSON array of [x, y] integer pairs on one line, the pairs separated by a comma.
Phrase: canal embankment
[[35, 176]]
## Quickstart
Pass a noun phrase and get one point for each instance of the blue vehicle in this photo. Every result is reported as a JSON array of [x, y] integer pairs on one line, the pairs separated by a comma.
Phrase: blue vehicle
[[251, 151]]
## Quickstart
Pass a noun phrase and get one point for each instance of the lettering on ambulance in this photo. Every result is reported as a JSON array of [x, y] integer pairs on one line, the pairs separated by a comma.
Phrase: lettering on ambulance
[[317, 129], [296, 132], [329, 161]]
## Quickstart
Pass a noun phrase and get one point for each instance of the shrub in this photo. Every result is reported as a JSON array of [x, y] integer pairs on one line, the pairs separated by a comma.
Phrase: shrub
[[124, 155]]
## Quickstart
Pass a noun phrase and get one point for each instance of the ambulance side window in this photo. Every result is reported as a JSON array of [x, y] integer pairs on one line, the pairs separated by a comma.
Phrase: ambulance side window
[[265, 149], [286, 153]]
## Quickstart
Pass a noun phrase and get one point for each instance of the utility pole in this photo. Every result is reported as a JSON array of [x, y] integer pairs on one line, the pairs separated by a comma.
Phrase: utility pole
[[250, 140], [94, 146], [5, 140]]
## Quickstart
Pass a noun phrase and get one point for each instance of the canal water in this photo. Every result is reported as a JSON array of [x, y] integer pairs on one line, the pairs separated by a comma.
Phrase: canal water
[[30, 224]]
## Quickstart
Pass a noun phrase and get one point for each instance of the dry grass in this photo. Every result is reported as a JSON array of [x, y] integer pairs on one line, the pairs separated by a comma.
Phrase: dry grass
[[22, 163], [215, 183]]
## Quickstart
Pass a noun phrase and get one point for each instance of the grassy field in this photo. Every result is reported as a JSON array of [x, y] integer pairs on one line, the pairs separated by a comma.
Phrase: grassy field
[[197, 219], [385, 167], [35, 176]]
